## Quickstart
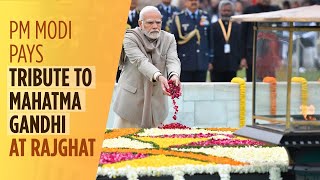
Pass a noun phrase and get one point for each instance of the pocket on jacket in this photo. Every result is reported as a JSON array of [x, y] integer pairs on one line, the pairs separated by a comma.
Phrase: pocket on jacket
[[129, 88]]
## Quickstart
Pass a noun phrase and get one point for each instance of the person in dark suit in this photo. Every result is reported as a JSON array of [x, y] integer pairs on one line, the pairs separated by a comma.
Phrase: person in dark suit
[[133, 16], [191, 29], [247, 34], [167, 12], [132, 22], [227, 42]]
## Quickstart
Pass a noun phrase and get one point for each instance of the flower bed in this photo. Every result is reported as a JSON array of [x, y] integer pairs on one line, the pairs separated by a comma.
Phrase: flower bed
[[134, 153]]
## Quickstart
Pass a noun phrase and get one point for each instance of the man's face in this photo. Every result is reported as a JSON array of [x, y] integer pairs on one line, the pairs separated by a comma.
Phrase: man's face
[[151, 24], [133, 4], [192, 4], [167, 2], [226, 12], [214, 3], [265, 2], [239, 7]]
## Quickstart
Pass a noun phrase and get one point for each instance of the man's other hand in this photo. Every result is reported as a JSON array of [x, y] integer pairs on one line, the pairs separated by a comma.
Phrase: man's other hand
[[164, 85], [243, 63]]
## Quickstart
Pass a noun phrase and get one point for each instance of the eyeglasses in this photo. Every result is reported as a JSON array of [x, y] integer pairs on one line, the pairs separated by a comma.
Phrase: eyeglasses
[[150, 22]]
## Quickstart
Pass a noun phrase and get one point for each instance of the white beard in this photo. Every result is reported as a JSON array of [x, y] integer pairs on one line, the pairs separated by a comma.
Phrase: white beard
[[152, 35]]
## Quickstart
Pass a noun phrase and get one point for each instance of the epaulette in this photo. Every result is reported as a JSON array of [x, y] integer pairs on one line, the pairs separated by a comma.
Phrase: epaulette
[[203, 12], [181, 12]]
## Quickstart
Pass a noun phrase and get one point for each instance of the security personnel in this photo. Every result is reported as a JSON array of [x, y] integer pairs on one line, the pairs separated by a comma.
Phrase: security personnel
[[133, 16], [167, 12], [191, 29], [132, 22]]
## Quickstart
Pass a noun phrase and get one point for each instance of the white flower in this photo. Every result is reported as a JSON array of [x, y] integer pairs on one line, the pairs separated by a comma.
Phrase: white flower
[[132, 175], [178, 175], [275, 173], [122, 142], [179, 171], [224, 172], [253, 155]]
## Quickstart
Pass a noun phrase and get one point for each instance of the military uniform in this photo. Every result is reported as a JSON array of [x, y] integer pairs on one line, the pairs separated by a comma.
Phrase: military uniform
[[192, 33], [167, 13], [132, 22]]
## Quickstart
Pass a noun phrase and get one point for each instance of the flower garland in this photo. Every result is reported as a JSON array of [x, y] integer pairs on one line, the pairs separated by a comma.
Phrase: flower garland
[[200, 135], [192, 169], [155, 161], [223, 142], [275, 173], [166, 142], [304, 89], [273, 94], [222, 129], [191, 155], [242, 96], [167, 132], [109, 158], [174, 126], [128, 154], [119, 132], [258, 155]]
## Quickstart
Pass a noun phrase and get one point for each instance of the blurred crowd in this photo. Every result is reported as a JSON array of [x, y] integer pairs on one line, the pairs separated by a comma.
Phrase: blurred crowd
[[207, 41]]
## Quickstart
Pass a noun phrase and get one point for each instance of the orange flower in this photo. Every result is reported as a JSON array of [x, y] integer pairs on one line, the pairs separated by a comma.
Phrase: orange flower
[[120, 132], [269, 80], [273, 94], [197, 156]]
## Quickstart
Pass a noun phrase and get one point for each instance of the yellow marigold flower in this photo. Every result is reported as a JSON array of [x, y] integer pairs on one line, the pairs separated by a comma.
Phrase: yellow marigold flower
[[304, 89], [242, 102]]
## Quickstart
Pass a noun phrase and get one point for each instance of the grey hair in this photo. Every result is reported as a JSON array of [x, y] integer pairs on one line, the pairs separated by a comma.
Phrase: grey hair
[[148, 9], [226, 2]]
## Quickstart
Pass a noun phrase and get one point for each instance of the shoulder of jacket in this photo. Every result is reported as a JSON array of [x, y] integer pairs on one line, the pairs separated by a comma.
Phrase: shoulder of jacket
[[175, 8], [275, 7], [183, 12]]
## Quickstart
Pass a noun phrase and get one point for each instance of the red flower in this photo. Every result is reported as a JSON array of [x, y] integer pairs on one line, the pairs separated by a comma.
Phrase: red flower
[[174, 126], [175, 92], [113, 157]]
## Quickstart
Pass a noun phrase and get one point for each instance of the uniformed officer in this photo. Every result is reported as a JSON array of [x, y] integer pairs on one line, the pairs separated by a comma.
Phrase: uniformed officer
[[167, 11], [132, 22], [191, 29]]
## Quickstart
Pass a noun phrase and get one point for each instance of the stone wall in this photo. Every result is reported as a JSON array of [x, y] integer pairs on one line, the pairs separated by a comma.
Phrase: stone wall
[[217, 104]]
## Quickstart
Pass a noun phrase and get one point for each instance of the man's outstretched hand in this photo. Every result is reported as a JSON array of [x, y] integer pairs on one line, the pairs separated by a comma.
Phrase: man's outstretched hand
[[164, 85]]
